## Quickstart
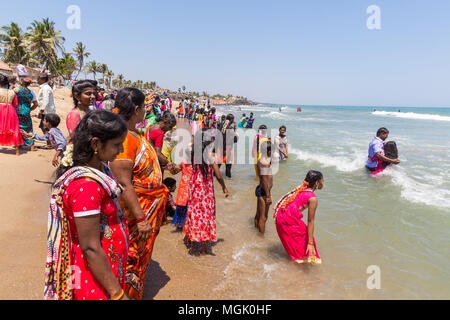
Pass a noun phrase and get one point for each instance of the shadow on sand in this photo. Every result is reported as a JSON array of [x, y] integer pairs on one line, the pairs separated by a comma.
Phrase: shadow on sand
[[157, 279]]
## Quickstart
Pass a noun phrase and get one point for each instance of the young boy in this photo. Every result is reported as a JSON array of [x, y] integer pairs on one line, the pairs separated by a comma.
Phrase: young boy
[[171, 184], [54, 136], [262, 192]]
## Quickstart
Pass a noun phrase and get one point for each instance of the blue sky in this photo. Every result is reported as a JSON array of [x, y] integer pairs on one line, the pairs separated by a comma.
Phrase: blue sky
[[289, 52]]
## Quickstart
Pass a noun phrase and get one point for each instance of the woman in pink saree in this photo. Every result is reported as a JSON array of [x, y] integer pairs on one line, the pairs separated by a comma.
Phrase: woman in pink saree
[[297, 237]]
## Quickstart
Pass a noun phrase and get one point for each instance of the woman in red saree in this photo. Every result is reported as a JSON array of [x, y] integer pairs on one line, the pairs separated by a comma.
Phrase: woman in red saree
[[145, 197], [88, 237], [9, 122], [297, 238]]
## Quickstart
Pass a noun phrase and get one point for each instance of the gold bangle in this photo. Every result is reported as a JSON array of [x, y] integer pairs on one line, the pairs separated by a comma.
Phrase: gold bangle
[[122, 293], [310, 243]]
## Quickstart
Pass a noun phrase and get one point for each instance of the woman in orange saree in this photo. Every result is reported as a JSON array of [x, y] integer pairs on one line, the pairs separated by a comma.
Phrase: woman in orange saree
[[144, 198]]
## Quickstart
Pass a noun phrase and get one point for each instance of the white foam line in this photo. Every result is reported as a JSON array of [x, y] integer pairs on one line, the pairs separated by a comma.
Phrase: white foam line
[[418, 192], [343, 164], [412, 115]]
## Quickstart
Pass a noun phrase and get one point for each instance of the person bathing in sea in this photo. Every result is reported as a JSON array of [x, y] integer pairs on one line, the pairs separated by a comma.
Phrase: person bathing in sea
[[262, 192], [250, 121], [377, 161], [281, 145], [243, 121], [297, 237]]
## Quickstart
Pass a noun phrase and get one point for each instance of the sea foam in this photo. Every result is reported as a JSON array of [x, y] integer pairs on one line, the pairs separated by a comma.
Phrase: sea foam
[[341, 163], [412, 115], [419, 192]]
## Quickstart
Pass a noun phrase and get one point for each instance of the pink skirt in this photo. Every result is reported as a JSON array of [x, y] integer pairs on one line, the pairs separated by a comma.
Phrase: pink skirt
[[293, 234], [9, 126]]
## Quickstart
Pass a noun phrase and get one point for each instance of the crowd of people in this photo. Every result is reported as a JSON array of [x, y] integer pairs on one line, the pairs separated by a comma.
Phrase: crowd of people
[[111, 180]]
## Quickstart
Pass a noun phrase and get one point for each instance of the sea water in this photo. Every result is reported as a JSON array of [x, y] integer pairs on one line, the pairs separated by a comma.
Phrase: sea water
[[397, 222]]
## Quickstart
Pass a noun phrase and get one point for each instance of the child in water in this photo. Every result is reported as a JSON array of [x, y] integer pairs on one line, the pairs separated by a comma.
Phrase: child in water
[[262, 192]]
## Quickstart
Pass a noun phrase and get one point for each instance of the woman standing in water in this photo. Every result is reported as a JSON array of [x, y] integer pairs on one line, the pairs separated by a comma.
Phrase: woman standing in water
[[281, 144], [297, 238]]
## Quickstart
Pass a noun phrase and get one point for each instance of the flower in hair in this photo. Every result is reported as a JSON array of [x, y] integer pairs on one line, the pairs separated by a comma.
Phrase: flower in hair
[[67, 160]]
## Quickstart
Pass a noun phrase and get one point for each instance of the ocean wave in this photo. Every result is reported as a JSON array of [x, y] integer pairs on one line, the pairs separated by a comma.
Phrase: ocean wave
[[412, 115], [341, 163], [257, 108], [418, 192], [277, 116]]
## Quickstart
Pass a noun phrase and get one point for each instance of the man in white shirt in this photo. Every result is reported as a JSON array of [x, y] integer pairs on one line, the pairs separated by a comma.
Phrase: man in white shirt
[[45, 101], [45, 96], [22, 71]]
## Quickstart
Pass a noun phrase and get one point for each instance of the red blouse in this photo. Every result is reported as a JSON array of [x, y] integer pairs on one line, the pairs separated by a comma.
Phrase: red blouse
[[85, 198]]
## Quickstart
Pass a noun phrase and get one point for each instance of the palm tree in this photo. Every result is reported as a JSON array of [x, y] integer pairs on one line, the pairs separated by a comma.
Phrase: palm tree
[[81, 54], [120, 79], [66, 66], [108, 74], [45, 42], [103, 68], [13, 40], [93, 67]]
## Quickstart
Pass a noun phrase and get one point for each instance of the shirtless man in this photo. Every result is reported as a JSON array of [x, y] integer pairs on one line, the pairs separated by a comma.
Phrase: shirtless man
[[264, 198]]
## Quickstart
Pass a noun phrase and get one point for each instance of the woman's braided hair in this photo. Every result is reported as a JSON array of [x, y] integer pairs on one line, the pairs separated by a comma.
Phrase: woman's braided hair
[[311, 179]]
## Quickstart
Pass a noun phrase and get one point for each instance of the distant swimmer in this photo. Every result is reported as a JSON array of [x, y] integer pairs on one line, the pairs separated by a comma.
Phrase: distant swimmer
[[279, 109], [250, 121], [243, 121], [299, 109], [381, 154]]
